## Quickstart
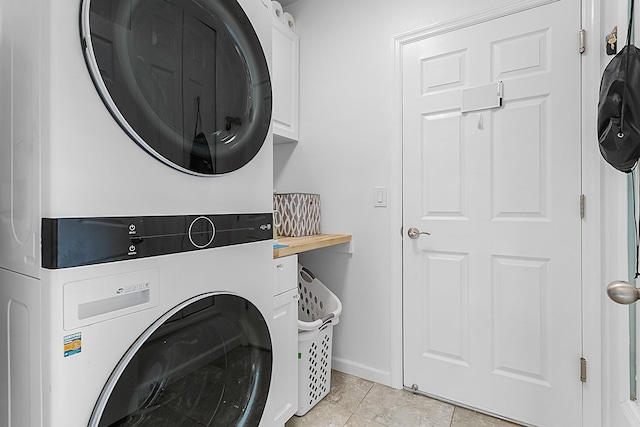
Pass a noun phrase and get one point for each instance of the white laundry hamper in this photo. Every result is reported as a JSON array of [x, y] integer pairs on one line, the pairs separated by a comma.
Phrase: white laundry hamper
[[318, 311]]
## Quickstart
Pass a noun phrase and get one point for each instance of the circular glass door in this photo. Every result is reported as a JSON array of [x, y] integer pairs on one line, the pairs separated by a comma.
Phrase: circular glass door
[[207, 362], [186, 79]]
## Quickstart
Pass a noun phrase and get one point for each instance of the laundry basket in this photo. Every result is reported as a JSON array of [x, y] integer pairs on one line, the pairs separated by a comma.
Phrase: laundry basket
[[318, 311]]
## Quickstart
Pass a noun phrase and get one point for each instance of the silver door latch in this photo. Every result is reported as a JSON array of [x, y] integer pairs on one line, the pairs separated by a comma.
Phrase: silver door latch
[[414, 233]]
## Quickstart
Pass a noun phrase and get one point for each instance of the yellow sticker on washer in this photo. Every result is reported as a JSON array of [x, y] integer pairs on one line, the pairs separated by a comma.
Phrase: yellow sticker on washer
[[72, 344]]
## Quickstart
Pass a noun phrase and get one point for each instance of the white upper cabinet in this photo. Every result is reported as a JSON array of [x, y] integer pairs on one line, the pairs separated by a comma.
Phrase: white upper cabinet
[[285, 77]]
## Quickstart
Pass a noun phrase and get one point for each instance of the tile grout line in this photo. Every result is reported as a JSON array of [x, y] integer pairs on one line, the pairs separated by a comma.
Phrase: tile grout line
[[362, 400], [452, 414]]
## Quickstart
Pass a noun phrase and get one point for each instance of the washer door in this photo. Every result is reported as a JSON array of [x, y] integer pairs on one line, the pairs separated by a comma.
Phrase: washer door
[[207, 362], [186, 79]]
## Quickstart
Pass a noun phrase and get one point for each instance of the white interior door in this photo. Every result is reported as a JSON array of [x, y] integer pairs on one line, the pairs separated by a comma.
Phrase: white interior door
[[492, 298]]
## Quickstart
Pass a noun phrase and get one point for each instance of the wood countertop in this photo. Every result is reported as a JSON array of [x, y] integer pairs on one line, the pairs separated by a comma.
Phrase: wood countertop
[[308, 243]]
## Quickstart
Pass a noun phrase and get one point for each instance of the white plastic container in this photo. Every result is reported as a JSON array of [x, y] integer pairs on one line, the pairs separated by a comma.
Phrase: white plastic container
[[318, 311]]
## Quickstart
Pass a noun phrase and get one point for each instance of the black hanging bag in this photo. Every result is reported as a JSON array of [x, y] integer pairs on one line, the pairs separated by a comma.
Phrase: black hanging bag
[[619, 108]]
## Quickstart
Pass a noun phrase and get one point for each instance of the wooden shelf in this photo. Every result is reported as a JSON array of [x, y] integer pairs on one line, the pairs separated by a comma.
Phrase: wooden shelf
[[308, 243]]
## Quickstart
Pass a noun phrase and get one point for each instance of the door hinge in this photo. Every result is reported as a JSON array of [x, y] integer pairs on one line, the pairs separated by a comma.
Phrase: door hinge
[[583, 43], [583, 369], [582, 206]]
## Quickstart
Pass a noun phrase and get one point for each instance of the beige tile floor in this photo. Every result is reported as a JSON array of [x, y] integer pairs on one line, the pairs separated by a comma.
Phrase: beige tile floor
[[355, 402]]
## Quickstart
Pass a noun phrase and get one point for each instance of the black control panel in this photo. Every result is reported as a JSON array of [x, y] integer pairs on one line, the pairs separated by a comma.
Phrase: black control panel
[[72, 242]]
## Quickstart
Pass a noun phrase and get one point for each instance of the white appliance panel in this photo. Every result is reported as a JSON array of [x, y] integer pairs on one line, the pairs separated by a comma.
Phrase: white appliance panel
[[63, 154], [76, 380]]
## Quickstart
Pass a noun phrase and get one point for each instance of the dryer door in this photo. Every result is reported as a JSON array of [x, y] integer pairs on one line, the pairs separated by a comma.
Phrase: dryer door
[[186, 79], [207, 362]]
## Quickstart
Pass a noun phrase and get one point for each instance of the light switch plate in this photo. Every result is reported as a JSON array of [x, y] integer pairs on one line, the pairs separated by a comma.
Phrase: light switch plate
[[379, 197]]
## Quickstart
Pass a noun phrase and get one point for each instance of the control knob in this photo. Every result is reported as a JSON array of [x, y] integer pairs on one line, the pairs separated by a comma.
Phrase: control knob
[[201, 232]]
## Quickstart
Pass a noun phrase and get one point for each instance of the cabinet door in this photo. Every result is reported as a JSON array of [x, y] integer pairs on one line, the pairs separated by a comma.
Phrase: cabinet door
[[285, 356], [285, 274], [284, 82]]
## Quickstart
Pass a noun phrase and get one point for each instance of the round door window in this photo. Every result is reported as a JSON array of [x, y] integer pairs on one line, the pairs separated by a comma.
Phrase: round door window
[[206, 363], [186, 79]]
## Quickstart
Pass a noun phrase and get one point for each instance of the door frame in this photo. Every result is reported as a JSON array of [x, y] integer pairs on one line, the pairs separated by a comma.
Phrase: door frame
[[592, 178]]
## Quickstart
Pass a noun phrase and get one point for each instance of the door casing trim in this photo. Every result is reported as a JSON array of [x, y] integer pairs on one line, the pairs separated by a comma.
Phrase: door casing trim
[[592, 268]]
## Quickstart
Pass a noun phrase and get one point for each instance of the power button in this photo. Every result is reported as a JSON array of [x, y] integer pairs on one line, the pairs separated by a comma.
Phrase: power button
[[201, 232]]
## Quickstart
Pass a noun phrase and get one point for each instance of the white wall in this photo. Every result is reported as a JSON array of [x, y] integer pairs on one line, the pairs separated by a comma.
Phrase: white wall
[[347, 137], [346, 132]]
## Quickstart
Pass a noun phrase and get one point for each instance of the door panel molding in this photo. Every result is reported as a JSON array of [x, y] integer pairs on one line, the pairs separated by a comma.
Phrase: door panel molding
[[505, 9]]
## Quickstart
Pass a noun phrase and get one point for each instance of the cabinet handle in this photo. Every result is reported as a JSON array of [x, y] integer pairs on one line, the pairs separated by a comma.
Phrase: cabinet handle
[[280, 266]]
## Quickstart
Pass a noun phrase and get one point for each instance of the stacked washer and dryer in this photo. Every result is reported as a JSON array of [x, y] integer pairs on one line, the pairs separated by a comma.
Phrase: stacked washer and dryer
[[135, 214]]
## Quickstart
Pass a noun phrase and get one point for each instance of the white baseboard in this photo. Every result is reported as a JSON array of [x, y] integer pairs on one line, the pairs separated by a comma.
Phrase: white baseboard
[[368, 373]]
